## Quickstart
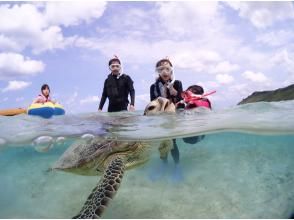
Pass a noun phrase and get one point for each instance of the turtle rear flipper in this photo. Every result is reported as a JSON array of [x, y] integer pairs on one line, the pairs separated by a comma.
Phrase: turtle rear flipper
[[104, 191]]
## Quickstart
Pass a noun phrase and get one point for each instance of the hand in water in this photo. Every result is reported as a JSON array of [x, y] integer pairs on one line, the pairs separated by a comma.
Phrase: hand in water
[[131, 108]]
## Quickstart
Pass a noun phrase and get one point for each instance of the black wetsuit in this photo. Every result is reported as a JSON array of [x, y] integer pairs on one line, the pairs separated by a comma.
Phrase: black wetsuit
[[155, 92], [117, 90]]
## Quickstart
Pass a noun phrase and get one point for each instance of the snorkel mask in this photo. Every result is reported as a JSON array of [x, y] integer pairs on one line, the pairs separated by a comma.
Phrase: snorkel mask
[[165, 70], [115, 67]]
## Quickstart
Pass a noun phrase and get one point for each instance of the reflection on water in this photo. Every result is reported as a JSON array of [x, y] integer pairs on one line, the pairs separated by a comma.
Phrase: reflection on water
[[260, 118]]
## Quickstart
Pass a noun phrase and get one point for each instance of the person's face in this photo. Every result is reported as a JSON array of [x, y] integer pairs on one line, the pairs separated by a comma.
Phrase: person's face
[[115, 67], [46, 92], [165, 71]]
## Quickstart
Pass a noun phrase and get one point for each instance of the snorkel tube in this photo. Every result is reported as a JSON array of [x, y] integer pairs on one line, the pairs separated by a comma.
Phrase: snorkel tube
[[189, 96]]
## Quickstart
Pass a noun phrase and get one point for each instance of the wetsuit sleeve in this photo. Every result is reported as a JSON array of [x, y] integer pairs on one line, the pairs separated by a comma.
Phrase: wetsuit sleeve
[[178, 86], [104, 96], [131, 90], [152, 94]]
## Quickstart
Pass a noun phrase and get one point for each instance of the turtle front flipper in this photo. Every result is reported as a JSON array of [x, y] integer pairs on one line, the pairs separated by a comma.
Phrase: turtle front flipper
[[104, 191]]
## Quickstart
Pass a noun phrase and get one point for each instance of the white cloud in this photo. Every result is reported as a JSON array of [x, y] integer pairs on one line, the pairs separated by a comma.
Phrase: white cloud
[[88, 43], [183, 54], [73, 13], [89, 99], [224, 78], [51, 39], [9, 44], [210, 85], [13, 64], [224, 67], [16, 85], [255, 77], [276, 38], [37, 25], [203, 45], [284, 60], [250, 57], [23, 19], [193, 35], [264, 14], [242, 89], [182, 18], [196, 59]]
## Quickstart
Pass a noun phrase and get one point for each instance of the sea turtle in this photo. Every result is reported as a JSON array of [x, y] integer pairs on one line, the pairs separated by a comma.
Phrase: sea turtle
[[110, 158]]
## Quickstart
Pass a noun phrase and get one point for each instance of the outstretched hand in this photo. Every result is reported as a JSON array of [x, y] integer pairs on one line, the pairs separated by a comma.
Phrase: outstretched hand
[[172, 90]]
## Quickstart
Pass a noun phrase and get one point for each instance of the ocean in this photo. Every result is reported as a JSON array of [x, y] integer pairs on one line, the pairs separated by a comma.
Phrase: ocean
[[242, 168]]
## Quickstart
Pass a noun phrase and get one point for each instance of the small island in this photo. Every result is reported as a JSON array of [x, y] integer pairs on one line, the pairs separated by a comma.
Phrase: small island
[[281, 94]]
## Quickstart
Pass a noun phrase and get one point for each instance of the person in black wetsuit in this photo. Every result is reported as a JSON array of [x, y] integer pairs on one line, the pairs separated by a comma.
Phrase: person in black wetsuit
[[166, 87], [117, 88]]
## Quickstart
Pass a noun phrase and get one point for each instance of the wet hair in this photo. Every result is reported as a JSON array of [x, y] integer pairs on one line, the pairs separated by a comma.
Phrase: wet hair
[[198, 90], [45, 86], [113, 60], [160, 62]]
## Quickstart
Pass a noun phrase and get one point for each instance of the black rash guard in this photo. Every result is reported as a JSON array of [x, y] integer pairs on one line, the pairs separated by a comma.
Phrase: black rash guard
[[117, 90]]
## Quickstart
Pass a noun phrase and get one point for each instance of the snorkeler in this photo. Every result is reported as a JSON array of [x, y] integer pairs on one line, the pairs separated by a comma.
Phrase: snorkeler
[[194, 97], [168, 87], [44, 96], [117, 88]]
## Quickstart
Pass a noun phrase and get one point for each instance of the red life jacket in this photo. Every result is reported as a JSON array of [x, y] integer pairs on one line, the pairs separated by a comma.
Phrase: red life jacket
[[193, 101]]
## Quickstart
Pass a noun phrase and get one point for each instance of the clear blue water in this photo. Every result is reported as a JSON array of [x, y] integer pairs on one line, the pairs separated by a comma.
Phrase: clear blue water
[[243, 168]]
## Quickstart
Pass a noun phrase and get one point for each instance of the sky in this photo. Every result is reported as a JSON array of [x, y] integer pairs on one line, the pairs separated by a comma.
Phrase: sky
[[235, 48]]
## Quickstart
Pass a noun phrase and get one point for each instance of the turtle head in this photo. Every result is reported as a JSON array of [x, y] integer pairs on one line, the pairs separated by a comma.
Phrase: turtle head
[[158, 106]]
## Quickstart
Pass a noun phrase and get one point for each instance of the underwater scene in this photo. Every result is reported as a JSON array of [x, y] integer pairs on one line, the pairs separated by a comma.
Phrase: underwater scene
[[233, 163]]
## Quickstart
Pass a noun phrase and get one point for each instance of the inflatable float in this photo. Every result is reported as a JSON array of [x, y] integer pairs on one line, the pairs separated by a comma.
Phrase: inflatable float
[[46, 110]]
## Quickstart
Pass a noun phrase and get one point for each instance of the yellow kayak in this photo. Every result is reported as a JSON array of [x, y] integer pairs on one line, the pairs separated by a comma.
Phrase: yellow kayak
[[12, 111]]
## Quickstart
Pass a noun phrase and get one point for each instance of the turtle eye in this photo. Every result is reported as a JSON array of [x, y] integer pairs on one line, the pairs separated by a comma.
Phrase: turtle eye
[[150, 108]]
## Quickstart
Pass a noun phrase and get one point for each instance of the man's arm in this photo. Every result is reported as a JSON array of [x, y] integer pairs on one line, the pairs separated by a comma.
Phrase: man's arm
[[103, 98], [131, 90], [152, 94]]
